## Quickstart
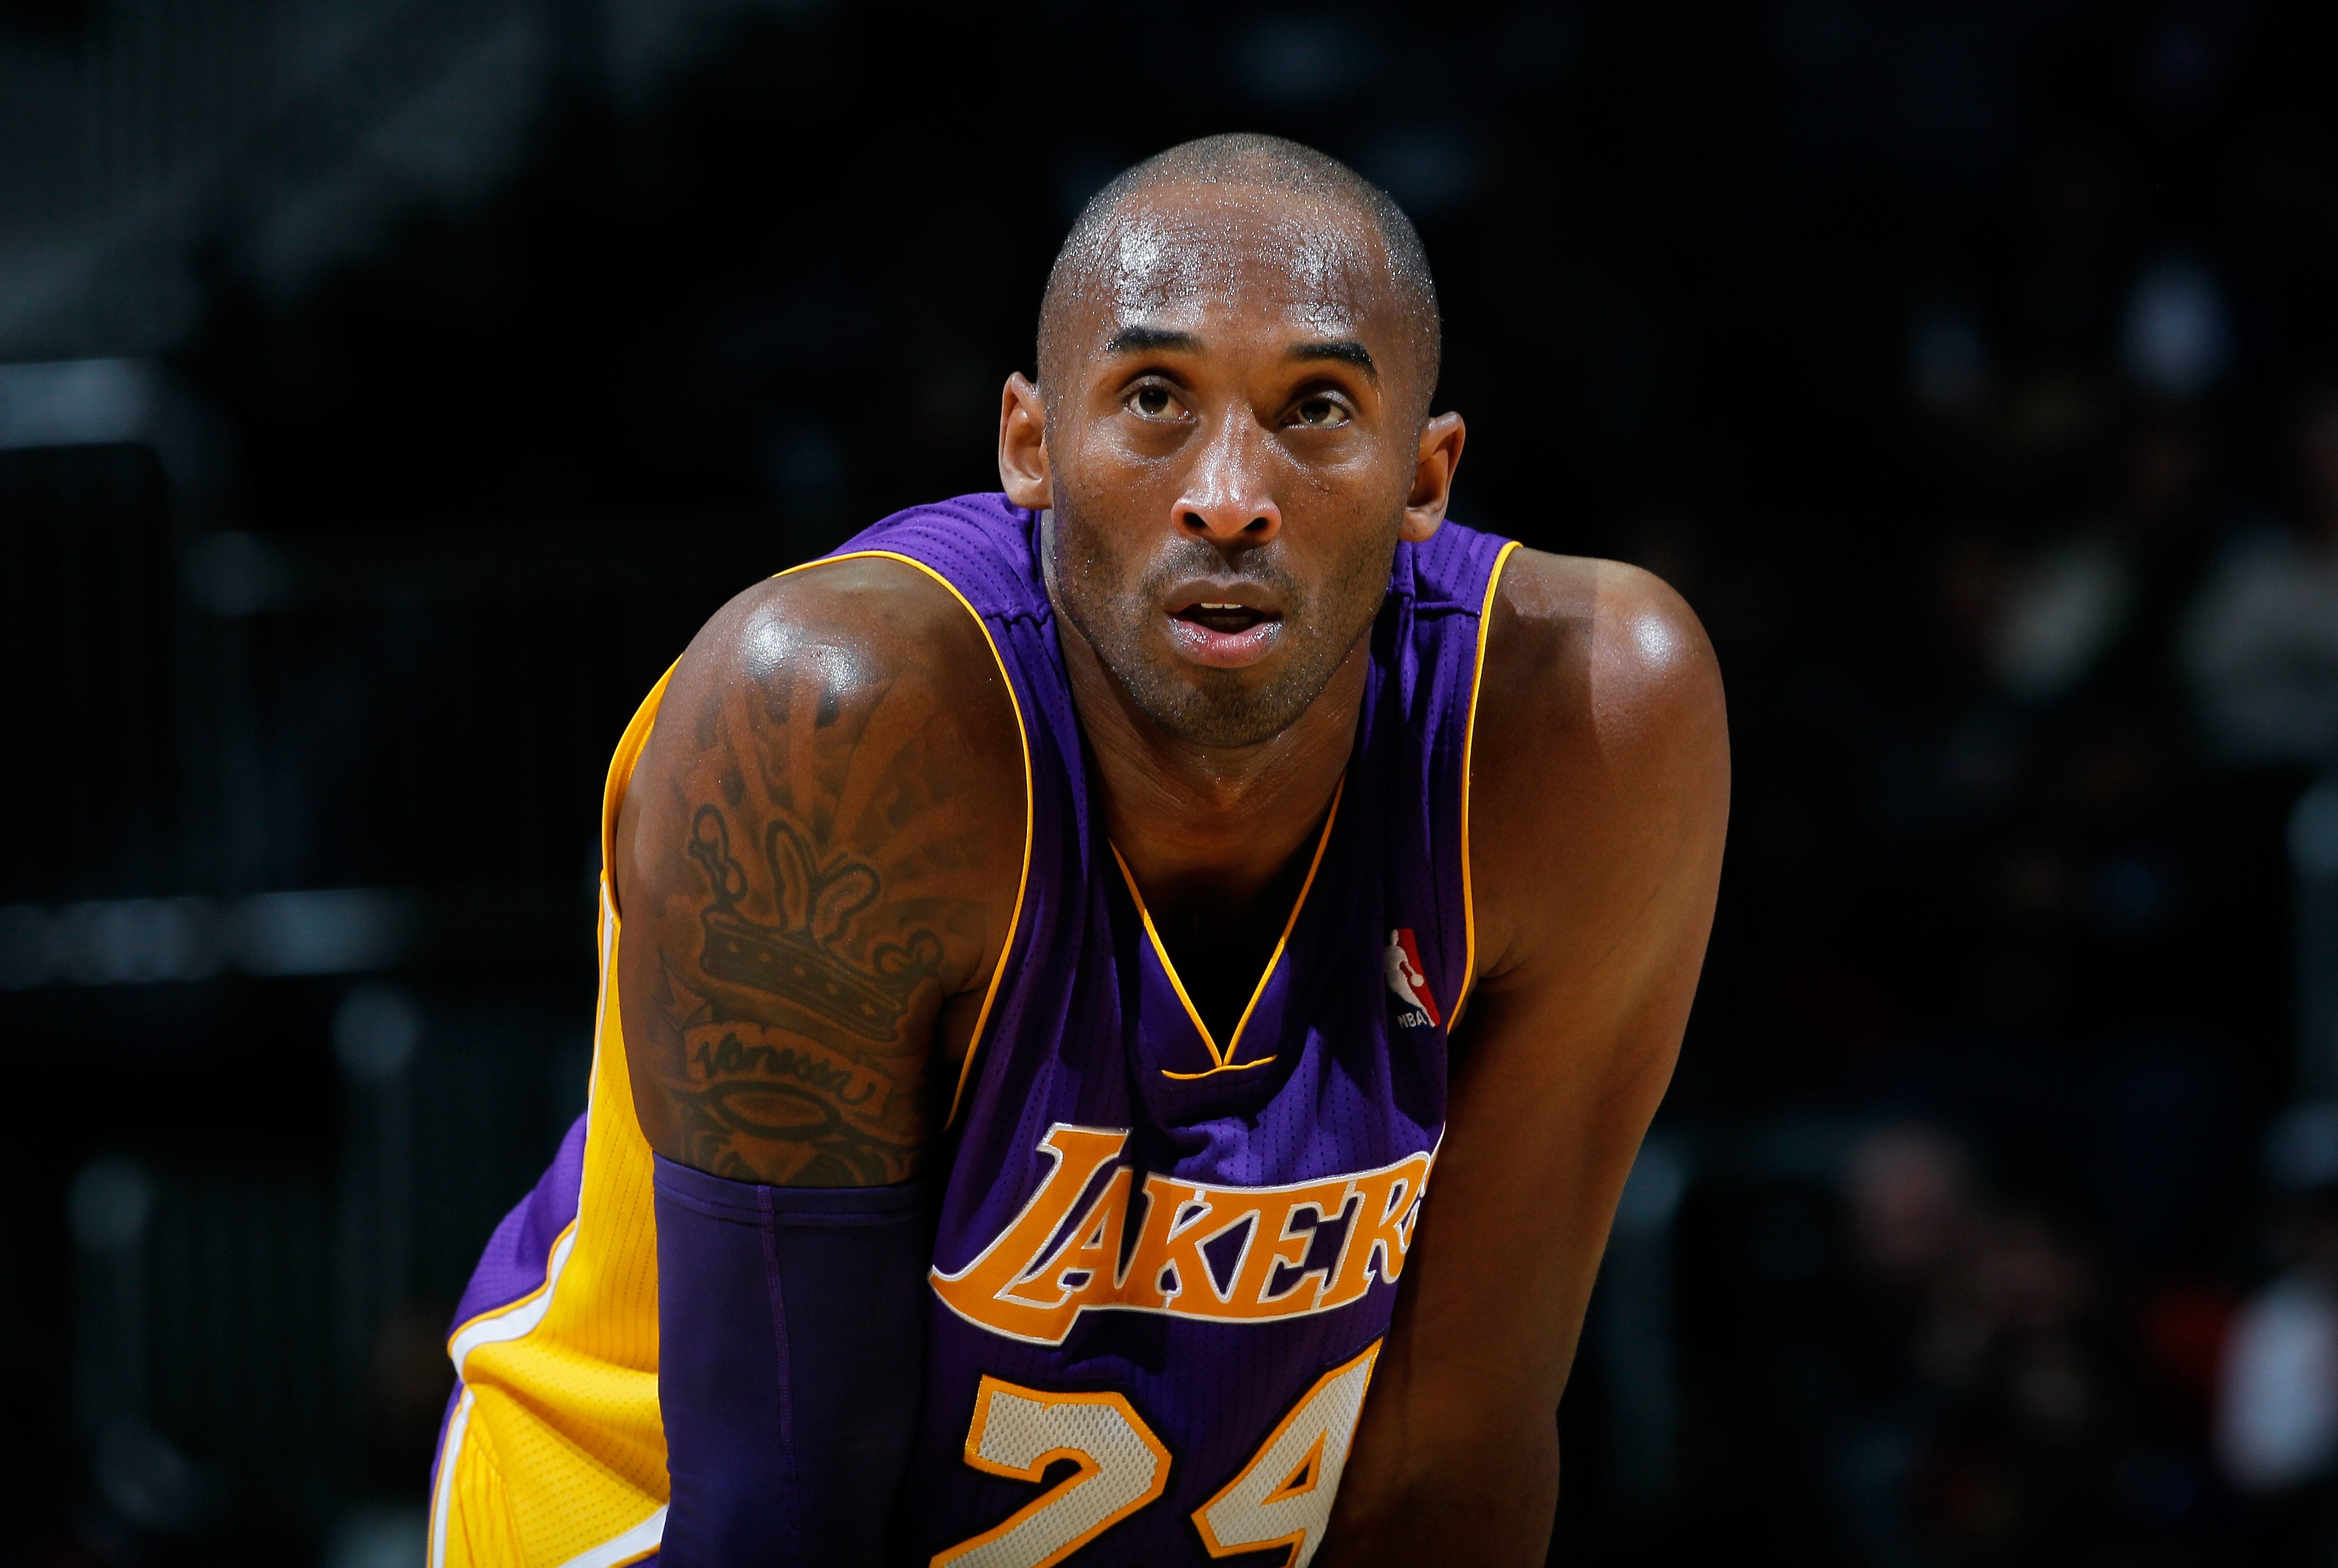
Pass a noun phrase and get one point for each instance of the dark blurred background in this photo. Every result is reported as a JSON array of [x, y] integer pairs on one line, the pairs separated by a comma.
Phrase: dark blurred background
[[390, 387]]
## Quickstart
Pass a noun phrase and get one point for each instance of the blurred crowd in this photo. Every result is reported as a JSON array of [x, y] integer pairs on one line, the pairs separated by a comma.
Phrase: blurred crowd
[[2033, 1258], [2033, 935]]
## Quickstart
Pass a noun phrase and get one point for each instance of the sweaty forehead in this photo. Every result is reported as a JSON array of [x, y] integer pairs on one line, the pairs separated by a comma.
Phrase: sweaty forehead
[[1177, 256]]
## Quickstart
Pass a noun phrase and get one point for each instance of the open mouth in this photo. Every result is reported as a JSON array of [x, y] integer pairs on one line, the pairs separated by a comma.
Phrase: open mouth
[[1225, 619], [1224, 633]]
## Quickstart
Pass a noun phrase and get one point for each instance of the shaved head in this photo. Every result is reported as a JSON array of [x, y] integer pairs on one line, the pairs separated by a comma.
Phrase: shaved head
[[1341, 230]]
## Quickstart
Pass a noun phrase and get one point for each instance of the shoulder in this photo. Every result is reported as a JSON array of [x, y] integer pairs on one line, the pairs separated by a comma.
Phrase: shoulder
[[1596, 643], [838, 678], [1601, 741], [841, 630], [883, 613]]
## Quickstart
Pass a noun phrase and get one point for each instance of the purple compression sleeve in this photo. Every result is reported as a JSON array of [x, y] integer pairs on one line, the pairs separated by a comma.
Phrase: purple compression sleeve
[[791, 1363]]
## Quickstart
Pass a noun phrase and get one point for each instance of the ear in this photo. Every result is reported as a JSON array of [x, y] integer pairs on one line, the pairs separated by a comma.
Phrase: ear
[[1023, 471], [1433, 477]]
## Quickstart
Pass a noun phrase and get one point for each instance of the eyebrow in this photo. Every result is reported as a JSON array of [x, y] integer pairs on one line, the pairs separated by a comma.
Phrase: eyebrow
[[1152, 340], [1346, 350], [1141, 339]]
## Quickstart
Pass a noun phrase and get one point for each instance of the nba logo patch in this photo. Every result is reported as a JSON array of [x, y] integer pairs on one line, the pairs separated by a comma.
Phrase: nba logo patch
[[1417, 1005]]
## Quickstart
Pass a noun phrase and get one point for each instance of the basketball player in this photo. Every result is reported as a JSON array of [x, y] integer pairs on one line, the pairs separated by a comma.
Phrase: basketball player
[[1127, 1004]]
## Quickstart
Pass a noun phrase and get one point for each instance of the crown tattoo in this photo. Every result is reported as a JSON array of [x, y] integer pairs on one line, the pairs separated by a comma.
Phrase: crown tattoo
[[797, 958]]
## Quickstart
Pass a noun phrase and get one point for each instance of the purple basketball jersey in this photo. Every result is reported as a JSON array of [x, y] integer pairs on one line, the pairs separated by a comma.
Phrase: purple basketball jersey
[[1165, 1262]]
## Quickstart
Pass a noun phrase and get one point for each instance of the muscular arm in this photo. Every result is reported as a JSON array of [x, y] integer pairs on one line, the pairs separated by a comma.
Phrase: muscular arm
[[816, 866], [1599, 805]]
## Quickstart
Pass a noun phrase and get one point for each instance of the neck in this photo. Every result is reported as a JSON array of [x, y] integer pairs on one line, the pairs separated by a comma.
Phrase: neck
[[1224, 822]]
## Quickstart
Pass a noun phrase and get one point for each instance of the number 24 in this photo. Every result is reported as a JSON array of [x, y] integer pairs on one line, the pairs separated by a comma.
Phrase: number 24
[[1282, 1497]]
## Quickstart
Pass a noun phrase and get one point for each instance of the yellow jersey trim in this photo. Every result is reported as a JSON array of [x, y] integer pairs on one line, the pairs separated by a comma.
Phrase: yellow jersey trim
[[1030, 803], [471, 1332], [1469, 760], [1224, 1059], [460, 1342], [628, 1548], [521, 1327], [622, 763], [442, 1495]]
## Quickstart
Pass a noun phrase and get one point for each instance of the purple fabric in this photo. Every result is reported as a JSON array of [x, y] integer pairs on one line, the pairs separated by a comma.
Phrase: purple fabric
[[1086, 1024], [520, 1251], [790, 1329]]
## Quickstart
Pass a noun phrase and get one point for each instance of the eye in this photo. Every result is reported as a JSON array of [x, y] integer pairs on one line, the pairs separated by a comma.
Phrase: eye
[[1319, 413], [1154, 401]]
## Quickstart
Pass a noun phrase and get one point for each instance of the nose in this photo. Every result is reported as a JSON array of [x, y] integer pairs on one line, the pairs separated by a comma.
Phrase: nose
[[1227, 502]]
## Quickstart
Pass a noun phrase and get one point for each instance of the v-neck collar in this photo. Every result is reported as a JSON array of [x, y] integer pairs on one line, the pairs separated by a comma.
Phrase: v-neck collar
[[1222, 1061]]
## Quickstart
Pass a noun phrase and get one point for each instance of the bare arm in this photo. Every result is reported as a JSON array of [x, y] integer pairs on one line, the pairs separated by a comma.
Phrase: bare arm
[[816, 866], [1601, 798]]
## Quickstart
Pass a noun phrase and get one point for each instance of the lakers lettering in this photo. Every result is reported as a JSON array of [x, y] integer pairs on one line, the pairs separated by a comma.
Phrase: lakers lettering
[[1224, 1254]]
